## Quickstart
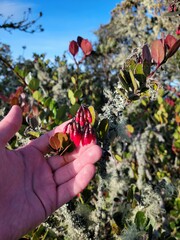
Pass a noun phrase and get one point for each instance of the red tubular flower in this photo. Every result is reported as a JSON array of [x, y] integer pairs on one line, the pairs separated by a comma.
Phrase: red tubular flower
[[73, 47]]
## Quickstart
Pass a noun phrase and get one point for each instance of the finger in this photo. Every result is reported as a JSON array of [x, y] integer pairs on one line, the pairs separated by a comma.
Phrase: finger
[[56, 162], [70, 170], [42, 143], [75, 185], [10, 124]]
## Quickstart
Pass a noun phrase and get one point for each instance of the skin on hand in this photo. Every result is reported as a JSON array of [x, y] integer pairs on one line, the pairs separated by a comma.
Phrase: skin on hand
[[33, 186]]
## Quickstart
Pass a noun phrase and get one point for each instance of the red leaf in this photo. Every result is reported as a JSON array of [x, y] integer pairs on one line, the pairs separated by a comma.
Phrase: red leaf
[[73, 47], [79, 40], [173, 49], [146, 55], [170, 40], [157, 51], [86, 47]]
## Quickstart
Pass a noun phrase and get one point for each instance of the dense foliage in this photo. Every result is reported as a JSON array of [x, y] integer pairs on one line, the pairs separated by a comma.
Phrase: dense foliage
[[131, 78]]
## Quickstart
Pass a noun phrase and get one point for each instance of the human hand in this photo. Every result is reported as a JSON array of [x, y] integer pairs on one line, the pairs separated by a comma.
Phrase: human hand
[[33, 186]]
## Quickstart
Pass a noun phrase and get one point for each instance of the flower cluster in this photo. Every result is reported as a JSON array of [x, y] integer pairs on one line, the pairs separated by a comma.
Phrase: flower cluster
[[80, 128]]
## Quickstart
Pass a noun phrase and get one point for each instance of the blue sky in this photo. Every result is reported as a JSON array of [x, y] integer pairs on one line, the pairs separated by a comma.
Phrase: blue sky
[[62, 20]]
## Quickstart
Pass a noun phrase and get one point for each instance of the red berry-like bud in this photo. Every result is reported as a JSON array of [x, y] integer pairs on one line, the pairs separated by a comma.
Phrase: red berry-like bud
[[71, 131], [77, 138], [86, 47], [85, 139], [80, 129], [77, 118], [89, 117], [81, 121], [73, 47]]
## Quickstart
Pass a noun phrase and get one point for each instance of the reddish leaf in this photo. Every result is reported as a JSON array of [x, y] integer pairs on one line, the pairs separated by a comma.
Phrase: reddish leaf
[[178, 30], [86, 47], [54, 142], [173, 49], [4, 98], [79, 40], [73, 47], [19, 90], [170, 40], [146, 55], [13, 100], [157, 51]]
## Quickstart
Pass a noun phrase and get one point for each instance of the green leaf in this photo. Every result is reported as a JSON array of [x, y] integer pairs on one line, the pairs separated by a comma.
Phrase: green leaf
[[134, 81], [28, 78], [139, 73], [140, 220], [37, 96], [33, 134], [78, 93], [103, 128], [47, 101], [123, 80], [61, 113], [93, 114], [130, 64], [118, 158], [73, 80], [71, 96], [146, 68], [74, 109], [34, 84], [52, 104]]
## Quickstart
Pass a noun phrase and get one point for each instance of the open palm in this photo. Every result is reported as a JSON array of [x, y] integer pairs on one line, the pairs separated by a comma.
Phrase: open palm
[[32, 186]]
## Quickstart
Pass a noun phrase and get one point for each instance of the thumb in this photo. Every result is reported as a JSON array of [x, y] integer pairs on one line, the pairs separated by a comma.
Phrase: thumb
[[10, 124]]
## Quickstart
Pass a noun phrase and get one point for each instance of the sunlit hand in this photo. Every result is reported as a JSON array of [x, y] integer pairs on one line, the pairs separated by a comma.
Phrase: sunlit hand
[[33, 186]]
